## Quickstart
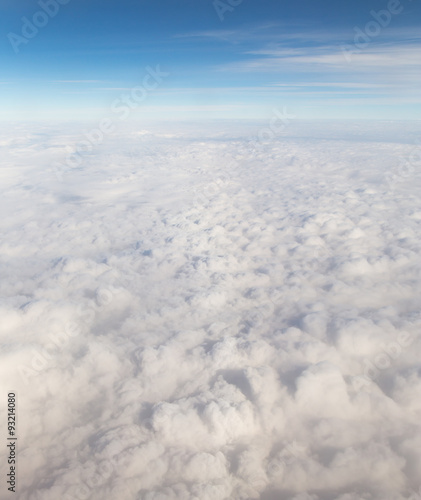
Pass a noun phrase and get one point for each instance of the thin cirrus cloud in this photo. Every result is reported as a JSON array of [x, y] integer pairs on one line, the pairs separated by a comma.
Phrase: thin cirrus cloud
[[396, 67], [274, 87], [329, 56], [306, 62], [251, 64], [77, 81]]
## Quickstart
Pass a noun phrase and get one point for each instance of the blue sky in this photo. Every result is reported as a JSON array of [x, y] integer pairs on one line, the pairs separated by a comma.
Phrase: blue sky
[[224, 59]]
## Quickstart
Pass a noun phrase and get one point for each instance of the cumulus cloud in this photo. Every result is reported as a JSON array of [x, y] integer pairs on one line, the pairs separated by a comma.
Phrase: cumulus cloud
[[187, 316]]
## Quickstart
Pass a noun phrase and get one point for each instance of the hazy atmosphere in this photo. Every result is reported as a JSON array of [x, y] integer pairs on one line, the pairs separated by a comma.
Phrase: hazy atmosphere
[[210, 250]]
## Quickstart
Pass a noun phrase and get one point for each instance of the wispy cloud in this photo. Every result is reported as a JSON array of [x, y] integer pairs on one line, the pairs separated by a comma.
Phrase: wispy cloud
[[292, 56], [216, 34], [396, 66], [77, 81], [278, 34], [271, 60], [349, 85]]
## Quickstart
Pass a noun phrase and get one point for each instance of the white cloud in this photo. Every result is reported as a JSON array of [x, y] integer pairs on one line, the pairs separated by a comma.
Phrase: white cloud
[[331, 57], [77, 81], [189, 317]]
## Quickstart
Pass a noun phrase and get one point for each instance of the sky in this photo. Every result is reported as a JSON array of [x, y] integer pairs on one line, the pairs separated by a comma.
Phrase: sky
[[209, 59]]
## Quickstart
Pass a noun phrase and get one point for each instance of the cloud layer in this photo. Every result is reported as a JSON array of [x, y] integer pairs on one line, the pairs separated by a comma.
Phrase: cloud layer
[[189, 314]]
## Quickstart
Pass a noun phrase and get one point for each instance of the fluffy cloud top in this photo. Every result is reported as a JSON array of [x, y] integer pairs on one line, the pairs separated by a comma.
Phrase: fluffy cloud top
[[189, 314]]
